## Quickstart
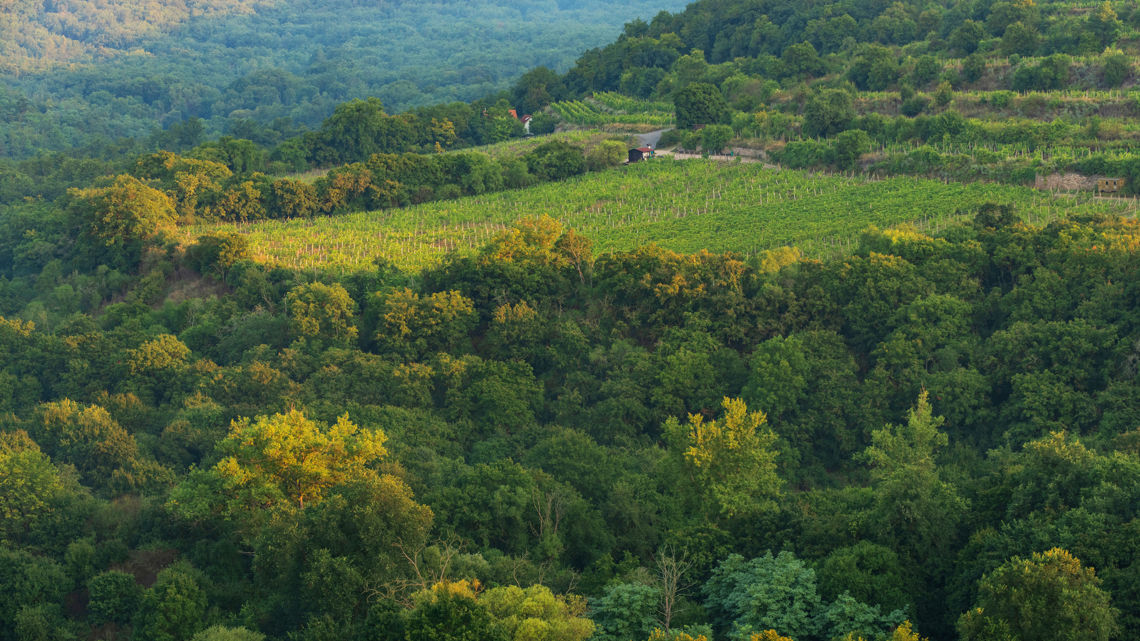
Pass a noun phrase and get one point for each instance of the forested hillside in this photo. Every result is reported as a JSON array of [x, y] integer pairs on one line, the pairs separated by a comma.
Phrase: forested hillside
[[934, 429], [1005, 91], [416, 376], [84, 74], [38, 34]]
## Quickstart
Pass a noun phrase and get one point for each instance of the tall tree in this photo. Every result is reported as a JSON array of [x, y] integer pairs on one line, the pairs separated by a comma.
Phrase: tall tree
[[730, 463], [918, 511]]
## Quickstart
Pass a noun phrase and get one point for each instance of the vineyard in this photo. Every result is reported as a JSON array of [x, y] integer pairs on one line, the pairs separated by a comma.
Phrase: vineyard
[[608, 108], [681, 205]]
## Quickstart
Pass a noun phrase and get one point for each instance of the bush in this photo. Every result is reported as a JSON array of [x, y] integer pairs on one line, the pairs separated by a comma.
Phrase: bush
[[714, 138], [114, 597], [608, 153], [700, 104], [691, 141], [543, 123], [556, 161], [216, 253], [828, 113], [670, 138], [1115, 70], [914, 106], [805, 153], [849, 145], [973, 67]]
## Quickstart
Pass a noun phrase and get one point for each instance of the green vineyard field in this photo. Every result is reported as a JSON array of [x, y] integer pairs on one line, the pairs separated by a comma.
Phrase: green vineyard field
[[685, 206]]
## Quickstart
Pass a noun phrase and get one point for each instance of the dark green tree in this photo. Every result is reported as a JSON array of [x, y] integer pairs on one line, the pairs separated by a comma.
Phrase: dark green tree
[[828, 112], [556, 160], [699, 104], [849, 146], [114, 597], [173, 609]]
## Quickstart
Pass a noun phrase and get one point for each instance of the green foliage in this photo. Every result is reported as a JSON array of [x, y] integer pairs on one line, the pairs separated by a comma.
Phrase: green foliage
[[730, 462], [536, 613], [606, 154], [173, 608], [849, 146], [1047, 596], [114, 597], [699, 104], [450, 612], [43, 623], [626, 611], [322, 312], [123, 214], [216, 253], [31, 488], [916, 505], [1116, 70], [289, 458], [868, 572], [419, 326], [89, 438], [714, 138], [766, 593], [223, 633], [846, 617], [556, 161], [828, 113], [27, 582]]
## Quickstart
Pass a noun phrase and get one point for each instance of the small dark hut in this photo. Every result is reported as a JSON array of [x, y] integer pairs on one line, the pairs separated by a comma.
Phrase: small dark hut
[[639, 154]]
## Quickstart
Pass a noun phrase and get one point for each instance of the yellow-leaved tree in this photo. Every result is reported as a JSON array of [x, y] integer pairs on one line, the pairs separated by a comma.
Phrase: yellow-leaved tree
[[730, 463], [537, 613], [292, 458], [904, 632], [769, 635]]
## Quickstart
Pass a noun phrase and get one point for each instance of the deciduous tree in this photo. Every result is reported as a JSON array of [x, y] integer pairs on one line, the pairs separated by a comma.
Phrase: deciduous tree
[[1047, 596], [730, 462], [290, 457]]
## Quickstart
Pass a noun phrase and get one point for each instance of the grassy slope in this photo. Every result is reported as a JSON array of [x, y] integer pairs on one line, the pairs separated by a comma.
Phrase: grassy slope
[[681, 205]]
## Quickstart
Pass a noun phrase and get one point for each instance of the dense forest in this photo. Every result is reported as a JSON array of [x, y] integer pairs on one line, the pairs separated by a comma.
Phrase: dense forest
[[940, 430], [929, 432], [86, 75]]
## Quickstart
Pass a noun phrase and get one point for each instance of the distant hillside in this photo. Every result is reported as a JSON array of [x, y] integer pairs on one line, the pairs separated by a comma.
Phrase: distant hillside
[[1011, 91], [36, 34], [86, 73]]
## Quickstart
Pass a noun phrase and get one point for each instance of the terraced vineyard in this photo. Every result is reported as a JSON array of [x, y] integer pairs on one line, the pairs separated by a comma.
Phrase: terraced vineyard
[[681, 205], [608, 108]]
